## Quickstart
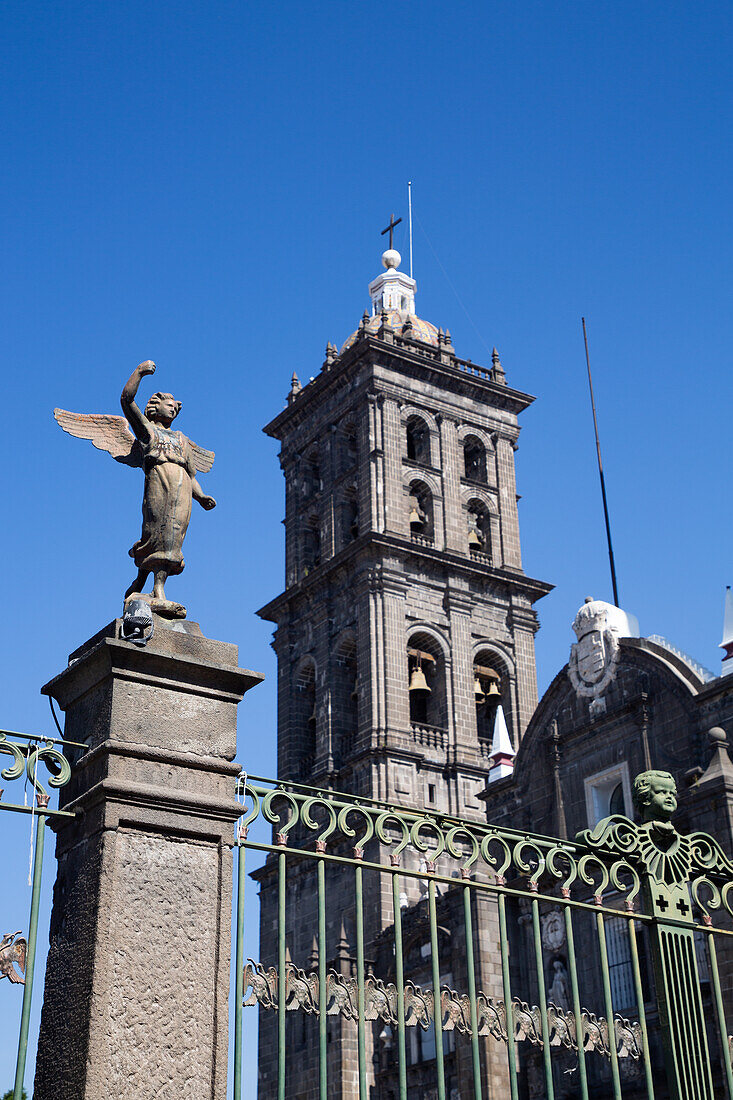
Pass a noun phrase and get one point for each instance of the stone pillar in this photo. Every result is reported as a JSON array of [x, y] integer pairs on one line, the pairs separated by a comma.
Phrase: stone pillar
[[462, 721], [395, 508], [371, 469], [456, 531], [394, 642], [137, 980], [290, 471], [524, 626], [511, 551]]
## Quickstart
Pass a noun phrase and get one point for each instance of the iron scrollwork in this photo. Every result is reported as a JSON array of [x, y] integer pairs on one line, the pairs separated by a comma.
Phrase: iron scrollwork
[[25, 761]]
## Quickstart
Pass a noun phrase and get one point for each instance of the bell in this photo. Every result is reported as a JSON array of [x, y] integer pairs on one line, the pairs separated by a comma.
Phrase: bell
[[474, 538], [478, 691], [418, 681], [416, 520], [493, 689]]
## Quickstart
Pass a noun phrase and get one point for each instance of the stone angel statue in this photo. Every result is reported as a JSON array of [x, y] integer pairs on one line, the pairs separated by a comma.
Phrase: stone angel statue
[[170, 461]]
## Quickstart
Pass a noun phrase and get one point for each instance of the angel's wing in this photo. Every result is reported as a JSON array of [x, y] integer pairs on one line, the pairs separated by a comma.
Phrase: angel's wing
[[19, 954], [13, 953], [203, 460], [107, 433]]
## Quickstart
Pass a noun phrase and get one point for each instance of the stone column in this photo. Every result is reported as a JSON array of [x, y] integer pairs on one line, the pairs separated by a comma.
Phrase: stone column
[[137, 980]]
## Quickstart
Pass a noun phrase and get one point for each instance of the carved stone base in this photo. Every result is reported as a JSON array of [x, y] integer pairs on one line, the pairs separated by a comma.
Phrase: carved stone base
[[137, 983]]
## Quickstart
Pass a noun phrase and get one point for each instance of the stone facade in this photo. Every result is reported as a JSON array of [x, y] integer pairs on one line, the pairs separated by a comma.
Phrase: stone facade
[[402, 554]]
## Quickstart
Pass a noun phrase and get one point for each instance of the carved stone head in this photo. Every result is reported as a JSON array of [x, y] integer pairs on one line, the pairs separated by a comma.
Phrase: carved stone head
[[162, 408], [655, 796]]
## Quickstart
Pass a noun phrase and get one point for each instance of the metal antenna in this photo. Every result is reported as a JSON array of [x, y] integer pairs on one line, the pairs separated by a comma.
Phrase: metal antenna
[[409, 219], [600, 471]]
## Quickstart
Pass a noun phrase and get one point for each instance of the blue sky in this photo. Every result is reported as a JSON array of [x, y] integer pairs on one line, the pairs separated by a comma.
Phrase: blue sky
[[204, 185]]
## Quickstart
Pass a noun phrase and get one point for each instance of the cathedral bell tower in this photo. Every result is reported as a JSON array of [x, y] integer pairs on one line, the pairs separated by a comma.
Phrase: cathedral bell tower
[[406, 617]]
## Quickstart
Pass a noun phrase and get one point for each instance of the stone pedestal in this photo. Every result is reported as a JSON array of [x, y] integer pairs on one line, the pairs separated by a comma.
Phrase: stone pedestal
[[137, 982]]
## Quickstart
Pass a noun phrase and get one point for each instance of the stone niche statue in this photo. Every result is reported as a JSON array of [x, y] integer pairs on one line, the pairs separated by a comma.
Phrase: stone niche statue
[[170, 461], [559, 992]]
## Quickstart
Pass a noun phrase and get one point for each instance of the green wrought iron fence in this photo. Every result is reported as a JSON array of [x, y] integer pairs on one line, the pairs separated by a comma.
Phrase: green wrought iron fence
[[18, 953], [524, 942]]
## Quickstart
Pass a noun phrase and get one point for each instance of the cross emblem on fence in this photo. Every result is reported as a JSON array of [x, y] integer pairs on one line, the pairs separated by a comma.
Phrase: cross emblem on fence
[[662, 902]]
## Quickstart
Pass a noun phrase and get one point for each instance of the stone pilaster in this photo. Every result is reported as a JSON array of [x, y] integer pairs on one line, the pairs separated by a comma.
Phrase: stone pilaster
[[372, 496], [291, 535], [137, 981], [459, 605], [395, 653], [524, 626], [456, 531], [511, 551], [395, 508], [322, 647]]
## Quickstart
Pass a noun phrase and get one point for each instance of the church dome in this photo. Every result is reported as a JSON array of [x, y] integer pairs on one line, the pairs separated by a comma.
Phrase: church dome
[[421, 330]]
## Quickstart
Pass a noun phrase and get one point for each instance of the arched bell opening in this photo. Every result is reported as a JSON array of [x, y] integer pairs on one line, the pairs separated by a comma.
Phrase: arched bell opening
[[426, 682], [420, 511], [479, 528], [474, 460], [490, 690], [418, 441], [304, 715], [344, 700]]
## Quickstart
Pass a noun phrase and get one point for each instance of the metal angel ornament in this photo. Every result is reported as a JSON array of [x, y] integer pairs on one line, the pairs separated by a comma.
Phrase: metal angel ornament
[[170, 461]]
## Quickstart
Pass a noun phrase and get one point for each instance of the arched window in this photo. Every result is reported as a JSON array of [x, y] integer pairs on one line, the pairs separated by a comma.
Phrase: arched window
[[474, 459], [304, 717], [420, 512], [490, 688], [345, 700], [426, 682], [418, 441], [479, 529]]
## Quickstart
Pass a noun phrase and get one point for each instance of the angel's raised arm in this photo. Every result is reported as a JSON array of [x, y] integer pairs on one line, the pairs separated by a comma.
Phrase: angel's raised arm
[[138, 421]]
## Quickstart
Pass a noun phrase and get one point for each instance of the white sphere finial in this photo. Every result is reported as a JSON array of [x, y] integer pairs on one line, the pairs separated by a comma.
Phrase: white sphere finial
[[391, 258]]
